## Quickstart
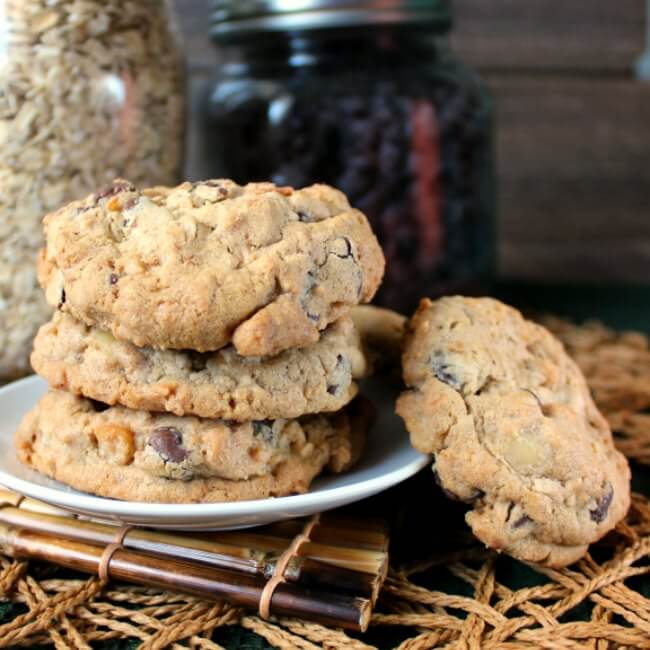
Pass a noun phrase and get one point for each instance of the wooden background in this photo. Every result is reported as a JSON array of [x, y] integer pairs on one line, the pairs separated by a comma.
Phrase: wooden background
[[573, 134]]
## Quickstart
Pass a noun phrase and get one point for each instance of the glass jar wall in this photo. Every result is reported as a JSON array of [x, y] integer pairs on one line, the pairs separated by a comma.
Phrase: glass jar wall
[[374, 103], [89, 90]]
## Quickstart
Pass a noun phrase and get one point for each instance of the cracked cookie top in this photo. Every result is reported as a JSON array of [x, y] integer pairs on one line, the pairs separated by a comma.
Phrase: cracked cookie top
[[514, 429], [202, 264]]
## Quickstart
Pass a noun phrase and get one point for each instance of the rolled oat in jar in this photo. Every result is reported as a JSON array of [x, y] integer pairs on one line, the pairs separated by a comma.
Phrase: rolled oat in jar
[[89, 90]]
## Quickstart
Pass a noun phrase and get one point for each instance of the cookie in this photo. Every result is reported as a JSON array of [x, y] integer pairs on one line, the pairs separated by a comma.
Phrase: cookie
[[75, 357], [140, 456], [513, 428], [200, 265], [381, 332]]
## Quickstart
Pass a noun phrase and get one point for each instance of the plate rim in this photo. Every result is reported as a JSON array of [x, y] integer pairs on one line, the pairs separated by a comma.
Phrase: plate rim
[[152, 510]]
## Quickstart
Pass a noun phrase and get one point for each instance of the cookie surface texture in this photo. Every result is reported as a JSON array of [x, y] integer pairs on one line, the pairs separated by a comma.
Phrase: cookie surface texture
[[200, 265], [141, 456], [75, 357], [513, 428]]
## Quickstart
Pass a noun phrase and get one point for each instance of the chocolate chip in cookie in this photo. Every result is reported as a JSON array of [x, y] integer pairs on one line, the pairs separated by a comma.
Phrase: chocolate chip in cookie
[[112, 189], [263, 429], [130, 203], [599, 513], [168, 443], [442, 370]]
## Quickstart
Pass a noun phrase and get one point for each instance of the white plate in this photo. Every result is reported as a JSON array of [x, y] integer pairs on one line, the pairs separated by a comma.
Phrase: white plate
[[388, 460]]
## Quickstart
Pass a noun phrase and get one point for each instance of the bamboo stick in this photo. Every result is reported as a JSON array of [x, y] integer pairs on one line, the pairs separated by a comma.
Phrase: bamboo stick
[[354, 549], [359, 559], [26, 503], [359, 568], [333, 530], [240, 589], [337, 530], [235, 558], [209, 552]]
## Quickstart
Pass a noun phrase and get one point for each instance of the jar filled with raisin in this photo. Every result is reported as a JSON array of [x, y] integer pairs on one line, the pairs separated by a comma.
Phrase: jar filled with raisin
[[368, 97]]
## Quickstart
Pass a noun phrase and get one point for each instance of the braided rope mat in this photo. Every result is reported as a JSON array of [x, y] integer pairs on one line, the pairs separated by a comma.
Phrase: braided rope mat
[[617, 368], [470, 605]]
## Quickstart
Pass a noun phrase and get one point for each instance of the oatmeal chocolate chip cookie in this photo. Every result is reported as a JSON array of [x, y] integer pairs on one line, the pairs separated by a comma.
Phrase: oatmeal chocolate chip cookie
[[199, 265], [381, 332], [141, 456], [223, 384], [513, 428]]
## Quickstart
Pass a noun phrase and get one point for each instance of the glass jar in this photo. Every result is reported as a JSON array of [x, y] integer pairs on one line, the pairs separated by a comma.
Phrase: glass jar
[[365, 96], [90, 90]]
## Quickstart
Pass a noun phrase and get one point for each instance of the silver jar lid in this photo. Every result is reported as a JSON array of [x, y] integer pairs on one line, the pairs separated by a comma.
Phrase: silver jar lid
[[231, 19]]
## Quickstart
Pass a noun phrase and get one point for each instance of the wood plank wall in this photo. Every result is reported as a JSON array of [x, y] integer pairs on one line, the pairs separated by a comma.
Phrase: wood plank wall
[[573, 130]]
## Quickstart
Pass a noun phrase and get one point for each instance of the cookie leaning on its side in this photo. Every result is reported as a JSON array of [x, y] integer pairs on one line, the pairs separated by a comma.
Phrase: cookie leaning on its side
[[513, 428]]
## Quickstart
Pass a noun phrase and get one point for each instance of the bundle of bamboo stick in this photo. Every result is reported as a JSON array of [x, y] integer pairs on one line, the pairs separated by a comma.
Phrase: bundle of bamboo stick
[[333, 578]]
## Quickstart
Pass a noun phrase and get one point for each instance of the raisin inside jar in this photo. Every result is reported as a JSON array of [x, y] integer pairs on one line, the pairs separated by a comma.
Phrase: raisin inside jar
[[388, 116]]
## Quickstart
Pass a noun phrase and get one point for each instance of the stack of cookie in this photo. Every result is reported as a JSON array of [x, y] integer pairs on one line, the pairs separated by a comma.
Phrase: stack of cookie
[[202, 348]]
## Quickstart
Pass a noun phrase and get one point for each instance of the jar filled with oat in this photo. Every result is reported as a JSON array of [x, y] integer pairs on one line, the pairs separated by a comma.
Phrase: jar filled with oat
[[90, 90]]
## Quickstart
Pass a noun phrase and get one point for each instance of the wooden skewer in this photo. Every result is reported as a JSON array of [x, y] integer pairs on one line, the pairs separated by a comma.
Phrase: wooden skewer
[[240, 589]]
